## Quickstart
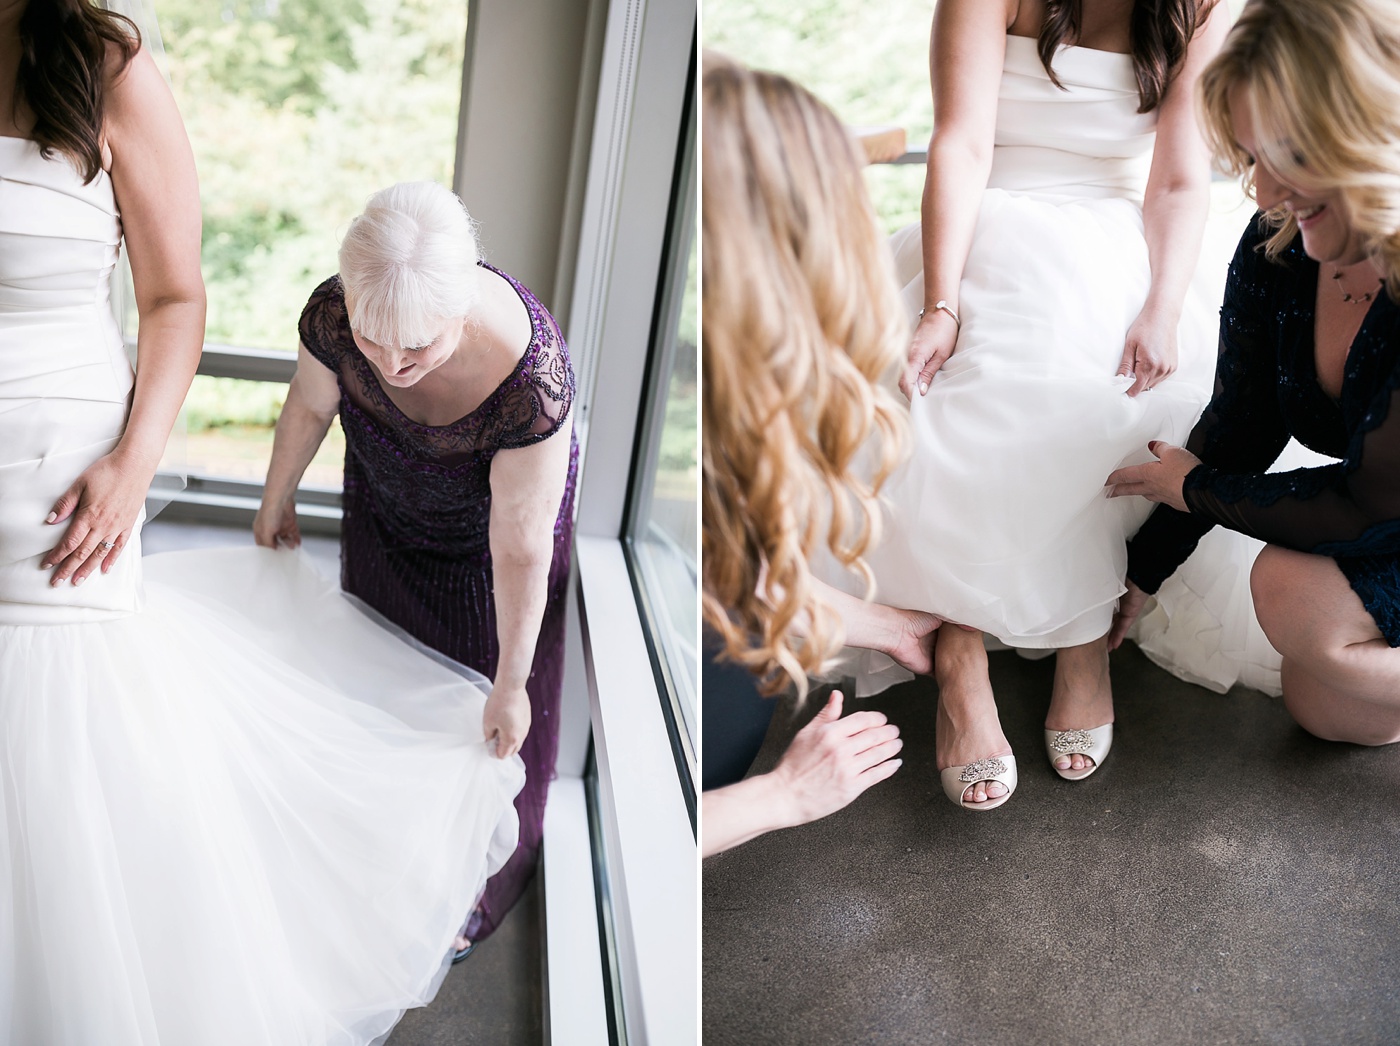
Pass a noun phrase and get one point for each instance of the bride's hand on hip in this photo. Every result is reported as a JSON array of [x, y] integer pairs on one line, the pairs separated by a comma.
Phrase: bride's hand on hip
[[275, 526], [101, 508], [1160, 481], [934, 340], [1149, 352]]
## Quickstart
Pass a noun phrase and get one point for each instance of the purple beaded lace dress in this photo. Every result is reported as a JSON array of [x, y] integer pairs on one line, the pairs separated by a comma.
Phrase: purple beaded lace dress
[[414, 542]]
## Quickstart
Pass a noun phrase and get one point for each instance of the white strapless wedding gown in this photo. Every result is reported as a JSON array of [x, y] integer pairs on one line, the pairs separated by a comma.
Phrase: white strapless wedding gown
[[233, 809], [999, 519]]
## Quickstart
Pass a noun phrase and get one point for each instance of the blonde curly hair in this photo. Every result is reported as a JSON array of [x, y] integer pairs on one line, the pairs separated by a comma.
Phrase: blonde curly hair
[[801, 316], [1323, 85]]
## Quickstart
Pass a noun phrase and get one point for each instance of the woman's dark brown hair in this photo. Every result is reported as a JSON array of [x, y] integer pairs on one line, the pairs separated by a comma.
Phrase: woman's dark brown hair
[[1159, 33], [70, 52]]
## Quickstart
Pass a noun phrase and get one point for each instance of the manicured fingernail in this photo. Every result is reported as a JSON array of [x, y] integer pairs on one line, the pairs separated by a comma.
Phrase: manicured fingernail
[[79, 580], [923, 388], [51, 517]]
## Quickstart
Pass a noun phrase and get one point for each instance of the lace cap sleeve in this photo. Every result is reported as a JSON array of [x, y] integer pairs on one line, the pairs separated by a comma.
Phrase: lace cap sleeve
[[541, 393], [324, 328]]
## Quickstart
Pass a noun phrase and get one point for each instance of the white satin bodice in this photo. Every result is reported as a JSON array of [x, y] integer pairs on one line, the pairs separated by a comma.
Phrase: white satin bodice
[[65, 381], [1085, 141]]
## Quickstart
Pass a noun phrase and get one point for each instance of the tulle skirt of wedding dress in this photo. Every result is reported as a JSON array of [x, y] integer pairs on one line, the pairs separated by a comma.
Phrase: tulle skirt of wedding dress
[[247, 814], [999, 519]]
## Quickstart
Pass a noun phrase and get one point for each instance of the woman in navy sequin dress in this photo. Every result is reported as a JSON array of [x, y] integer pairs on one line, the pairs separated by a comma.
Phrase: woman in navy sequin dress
[[1309, 348], [460, 465]]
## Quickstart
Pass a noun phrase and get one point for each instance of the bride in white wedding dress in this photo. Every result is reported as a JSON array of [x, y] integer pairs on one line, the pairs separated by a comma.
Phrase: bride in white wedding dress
[[1066, 194], [233, 809]]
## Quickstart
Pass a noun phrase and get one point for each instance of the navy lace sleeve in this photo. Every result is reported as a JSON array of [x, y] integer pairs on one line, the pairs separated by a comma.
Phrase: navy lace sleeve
[[1243, 430], [537, 403], [323, 328], [1351, 508]]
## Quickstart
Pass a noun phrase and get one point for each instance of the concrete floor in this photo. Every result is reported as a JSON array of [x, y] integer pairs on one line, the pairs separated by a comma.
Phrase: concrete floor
[[1224, 878], [496, 996]]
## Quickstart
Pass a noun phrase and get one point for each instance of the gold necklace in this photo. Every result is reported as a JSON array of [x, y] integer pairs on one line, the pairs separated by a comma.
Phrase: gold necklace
[[1347, 296]]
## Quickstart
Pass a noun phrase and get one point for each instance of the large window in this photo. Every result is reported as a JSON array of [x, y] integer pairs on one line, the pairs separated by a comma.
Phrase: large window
[[297, 111], [868, 61]]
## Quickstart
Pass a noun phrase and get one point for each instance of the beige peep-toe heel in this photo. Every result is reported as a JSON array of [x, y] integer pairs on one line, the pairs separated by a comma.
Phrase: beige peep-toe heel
[[1094, 743], [958, 780]]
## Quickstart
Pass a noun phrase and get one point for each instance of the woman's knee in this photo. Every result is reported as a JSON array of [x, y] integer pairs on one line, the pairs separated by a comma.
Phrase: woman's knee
[[1278, 583], [1332, 717]]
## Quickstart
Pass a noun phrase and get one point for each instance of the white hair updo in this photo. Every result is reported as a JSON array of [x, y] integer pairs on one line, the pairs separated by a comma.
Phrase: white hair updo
[[408, 264]]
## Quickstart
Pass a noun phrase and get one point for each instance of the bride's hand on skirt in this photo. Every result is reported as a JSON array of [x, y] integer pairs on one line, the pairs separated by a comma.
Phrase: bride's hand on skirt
[[934, 340], [101, 507], [1130, 605], [506, 719], [1149, 352], [1160, 481]]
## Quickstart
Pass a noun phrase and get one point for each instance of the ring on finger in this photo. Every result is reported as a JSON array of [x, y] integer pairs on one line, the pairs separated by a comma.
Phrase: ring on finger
[[106, 546]]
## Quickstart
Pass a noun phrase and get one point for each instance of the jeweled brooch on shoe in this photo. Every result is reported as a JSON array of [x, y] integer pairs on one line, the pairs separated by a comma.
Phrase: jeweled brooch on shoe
[[982, 770], [1073, 741]]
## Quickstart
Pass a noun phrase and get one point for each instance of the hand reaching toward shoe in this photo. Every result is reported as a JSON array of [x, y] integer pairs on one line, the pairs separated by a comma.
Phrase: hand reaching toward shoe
[[832, 760], [911, 646], [907, 636], [1130, 605], [828, 764]]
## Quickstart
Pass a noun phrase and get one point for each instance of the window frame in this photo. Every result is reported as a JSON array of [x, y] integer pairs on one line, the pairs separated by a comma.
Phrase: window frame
[[647, 869], [682, 229]]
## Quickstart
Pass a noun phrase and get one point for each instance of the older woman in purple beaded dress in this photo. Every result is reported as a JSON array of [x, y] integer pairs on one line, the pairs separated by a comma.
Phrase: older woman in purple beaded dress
[[453, 385]]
